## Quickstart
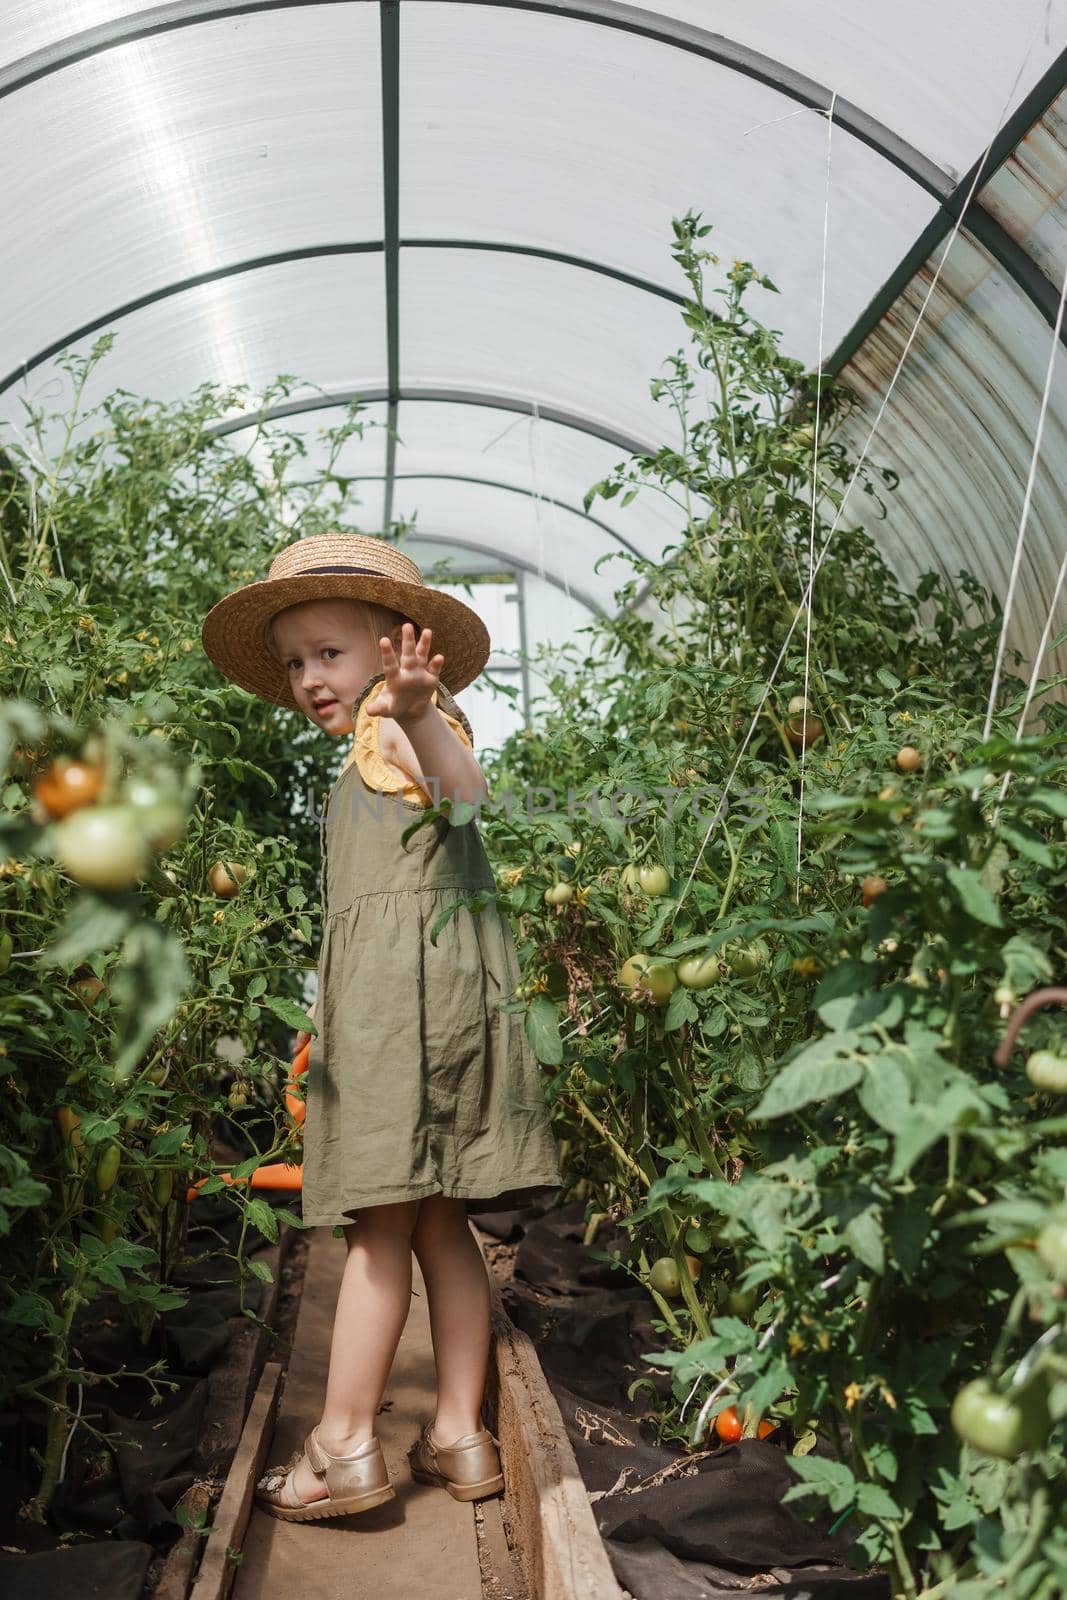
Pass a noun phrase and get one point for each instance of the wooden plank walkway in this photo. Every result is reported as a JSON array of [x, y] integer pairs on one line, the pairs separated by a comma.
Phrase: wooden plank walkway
[[422, 1544]]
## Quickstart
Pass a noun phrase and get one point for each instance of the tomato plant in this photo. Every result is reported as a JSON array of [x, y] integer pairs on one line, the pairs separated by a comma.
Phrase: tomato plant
[[131, 770], [827, 1119]]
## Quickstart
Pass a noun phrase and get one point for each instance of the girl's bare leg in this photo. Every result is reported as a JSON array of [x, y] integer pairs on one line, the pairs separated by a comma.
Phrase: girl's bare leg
[[457, 1291], [372, 1308]]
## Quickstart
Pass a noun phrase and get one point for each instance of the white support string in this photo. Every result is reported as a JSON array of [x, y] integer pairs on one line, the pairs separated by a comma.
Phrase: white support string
[[774, 121], [805, 599], [814, 488], [1009, 598]]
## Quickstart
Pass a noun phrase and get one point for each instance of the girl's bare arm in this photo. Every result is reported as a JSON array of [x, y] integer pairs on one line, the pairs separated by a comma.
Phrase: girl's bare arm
[[428, 749]]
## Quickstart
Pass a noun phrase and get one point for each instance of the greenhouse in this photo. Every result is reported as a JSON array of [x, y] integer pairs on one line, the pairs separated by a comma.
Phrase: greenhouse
[[616, 1077]]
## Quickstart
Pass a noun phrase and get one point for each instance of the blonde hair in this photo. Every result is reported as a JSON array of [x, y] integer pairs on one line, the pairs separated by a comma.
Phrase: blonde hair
[[376, 619]]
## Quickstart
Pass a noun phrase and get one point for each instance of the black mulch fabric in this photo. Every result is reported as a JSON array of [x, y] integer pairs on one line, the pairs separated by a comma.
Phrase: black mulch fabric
[[114, 1522], [706, 1526]]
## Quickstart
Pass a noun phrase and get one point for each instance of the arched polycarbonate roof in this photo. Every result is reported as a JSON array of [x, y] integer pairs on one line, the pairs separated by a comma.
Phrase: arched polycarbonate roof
[[459, 210]]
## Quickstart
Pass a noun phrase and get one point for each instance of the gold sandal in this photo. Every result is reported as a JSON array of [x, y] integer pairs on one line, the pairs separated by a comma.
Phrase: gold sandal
[[355, 1482], [469, 1469]]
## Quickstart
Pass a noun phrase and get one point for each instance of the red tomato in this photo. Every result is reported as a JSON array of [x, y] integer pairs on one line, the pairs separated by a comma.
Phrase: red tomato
[[66, 785], [729, 1427]]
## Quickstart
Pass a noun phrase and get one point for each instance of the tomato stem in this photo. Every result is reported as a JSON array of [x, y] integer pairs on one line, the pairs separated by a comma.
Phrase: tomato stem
[[694, 1119], [622, 1154]]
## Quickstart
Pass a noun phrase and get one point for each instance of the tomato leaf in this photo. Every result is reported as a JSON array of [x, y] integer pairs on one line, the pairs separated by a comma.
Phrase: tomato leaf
[[1049, 800], [171, 1141], [974, 897], [815, 1074], [874, 1501], [542, 1030], [680, 1008], [830, 1480], [1028, 842], [768, 1387], [147, 985], [90, 925], [261, 1215], [858, 1010], [864, 1235], [292, 1014], [885, 1093], [907, 1228]]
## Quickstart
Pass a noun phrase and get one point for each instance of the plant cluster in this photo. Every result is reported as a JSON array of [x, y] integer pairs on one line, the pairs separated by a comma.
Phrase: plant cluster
[[769, 1037], [158, 864]]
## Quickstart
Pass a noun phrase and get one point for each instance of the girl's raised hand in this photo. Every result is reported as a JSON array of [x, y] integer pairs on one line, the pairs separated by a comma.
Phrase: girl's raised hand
[[410, 679]]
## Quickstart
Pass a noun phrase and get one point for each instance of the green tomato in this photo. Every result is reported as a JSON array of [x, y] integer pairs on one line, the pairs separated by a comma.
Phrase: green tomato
[[629, 876], [159, 811], [46, 880], [644, 977], [1047, 1071], [653, 879], [697, 972], [107, 1168], [559, 894], [7, 945], [742, 1302], [664, 1278], [747, 961], [1002, 1425], [1051, 1246], [163, 1187], [109, 1228], [102, 846]]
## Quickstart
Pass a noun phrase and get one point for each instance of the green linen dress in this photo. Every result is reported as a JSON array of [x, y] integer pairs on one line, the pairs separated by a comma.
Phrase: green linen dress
[[416, 1083]]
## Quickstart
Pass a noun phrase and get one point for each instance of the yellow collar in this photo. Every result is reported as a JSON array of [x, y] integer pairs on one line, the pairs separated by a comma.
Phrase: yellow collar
[[374, 769]]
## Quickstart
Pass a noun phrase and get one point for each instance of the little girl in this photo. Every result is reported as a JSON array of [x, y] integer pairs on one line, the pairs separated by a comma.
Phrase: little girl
[[424, 1101]]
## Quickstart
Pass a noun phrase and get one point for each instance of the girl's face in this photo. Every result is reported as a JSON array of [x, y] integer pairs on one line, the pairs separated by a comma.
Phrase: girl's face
[[329, 649]]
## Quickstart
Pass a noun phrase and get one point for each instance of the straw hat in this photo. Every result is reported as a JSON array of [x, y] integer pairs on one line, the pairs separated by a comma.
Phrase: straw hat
[[337, 566]]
